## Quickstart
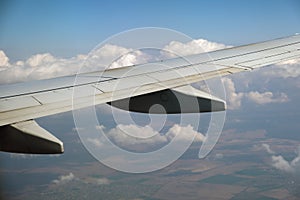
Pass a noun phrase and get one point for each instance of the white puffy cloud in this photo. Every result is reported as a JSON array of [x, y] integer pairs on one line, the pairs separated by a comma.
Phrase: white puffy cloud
[[64, 179], [267, 148], [280, 163], [4, 60], [296, 162], [267, 97], [192, 47], [40, 59], [233, 98], [145, 136], [113, 56], [102, 181], [39, 66], [184, 133], [132, 58], [43, 66], [94, 141], [286, 69], [122, 135]]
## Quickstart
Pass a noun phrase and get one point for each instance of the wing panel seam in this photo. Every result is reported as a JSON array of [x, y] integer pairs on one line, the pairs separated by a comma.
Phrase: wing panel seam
[[58, 88]]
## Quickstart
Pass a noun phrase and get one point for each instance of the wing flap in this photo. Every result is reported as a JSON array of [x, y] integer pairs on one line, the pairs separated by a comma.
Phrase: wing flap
[[17, 103], [125, 83], [28, 137], [54, 96]]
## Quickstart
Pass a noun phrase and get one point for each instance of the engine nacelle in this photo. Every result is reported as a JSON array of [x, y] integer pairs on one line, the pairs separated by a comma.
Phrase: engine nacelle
[[184, 99]]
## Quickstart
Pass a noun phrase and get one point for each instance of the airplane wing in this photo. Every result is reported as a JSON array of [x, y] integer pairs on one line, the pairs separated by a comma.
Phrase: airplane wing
[[134, 88]]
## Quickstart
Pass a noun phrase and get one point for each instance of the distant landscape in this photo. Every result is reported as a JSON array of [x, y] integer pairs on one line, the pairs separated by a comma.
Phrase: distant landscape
[[240, 167]]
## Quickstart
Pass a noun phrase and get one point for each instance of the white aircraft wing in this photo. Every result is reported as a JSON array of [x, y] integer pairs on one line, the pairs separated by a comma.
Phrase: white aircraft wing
[[134, 88]]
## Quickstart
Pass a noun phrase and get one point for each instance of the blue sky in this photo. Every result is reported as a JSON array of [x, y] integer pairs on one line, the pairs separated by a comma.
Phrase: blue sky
[[67, 28]]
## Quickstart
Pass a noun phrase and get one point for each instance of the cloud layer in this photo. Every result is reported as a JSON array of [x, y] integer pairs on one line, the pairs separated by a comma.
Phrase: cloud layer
[[280, 163], [145, 137], [234, 98], [176, 48], [64, 179], [43, 66], [286, 69]]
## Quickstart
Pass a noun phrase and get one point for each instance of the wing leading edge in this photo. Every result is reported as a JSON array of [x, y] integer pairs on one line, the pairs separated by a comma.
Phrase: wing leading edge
[[26, 101]]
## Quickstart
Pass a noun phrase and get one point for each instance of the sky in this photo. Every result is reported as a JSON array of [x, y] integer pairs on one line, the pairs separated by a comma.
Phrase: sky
[[43, 39], [68, 28]]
